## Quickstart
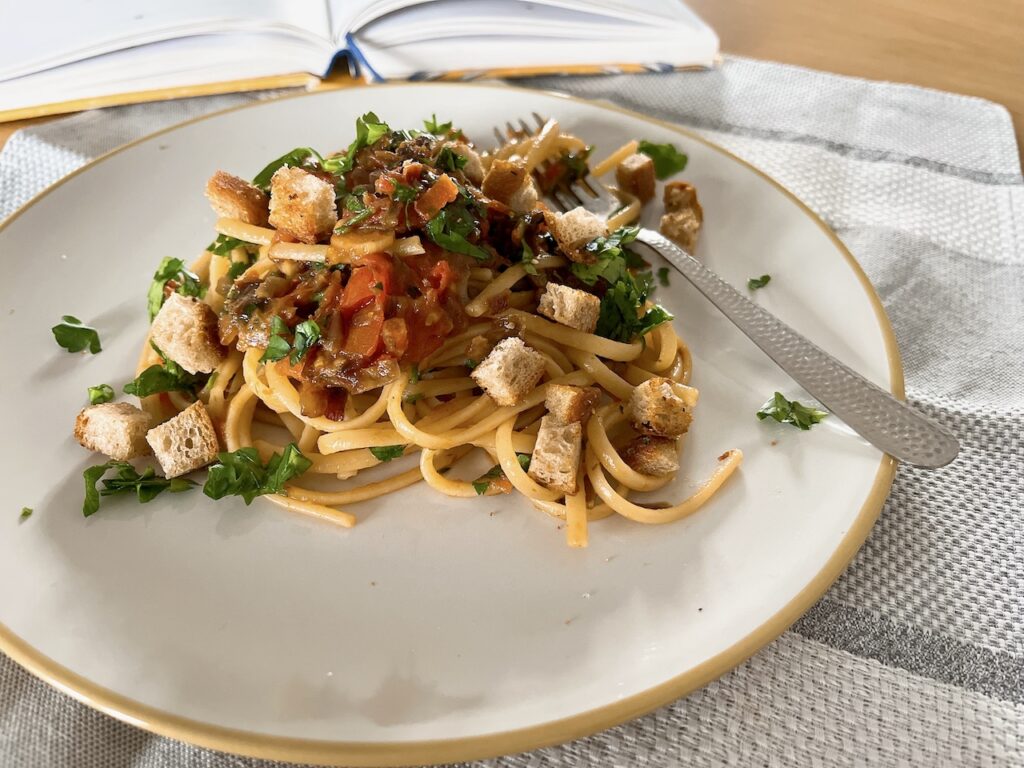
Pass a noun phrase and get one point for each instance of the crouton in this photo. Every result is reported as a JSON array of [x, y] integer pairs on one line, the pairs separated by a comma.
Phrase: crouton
[[510, 371], [570, 306], [504, 178], [185, 329], [525, 199], [575, 229], [556, 455], [186, 442], [568, 404], [235, 198], [635, 175], [658, 456], [473, 169], [115, 429], [683, 215], [661, 407], [302, 205]]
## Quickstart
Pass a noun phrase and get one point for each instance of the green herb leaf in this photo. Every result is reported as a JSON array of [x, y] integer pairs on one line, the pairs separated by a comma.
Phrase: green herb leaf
[[758, 282], [528, 258], [403, 193], [436, 128], [169, 377], [26, 513], [172, 269], [790, 412], [224, 245], [146, 486], [355, 204], [414, 374], [663, 277], [451, 228], [450, 160], [482, 483], [387, 452], [241, 473], [278, 347], [369, 130], [610, 257], [237, 268], [470, 363], [524, 461], [104, 393], [71, 334], [667, 159], [297, 157], [307, 333]]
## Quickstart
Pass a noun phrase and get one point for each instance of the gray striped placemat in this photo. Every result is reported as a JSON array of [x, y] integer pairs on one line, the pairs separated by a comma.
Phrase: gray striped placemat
[[916, 655]]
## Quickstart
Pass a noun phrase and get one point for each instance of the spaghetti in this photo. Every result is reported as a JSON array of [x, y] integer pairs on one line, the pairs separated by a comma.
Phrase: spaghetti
[[359, 342]]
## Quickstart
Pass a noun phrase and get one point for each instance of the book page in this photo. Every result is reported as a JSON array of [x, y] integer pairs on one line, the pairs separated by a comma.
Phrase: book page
[[91, 29]]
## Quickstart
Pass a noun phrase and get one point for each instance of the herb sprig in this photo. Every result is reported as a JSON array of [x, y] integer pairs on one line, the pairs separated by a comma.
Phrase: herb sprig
[[667, 159], [242, 473], [71, 334], [790, 412], [145, 485], [188, 284]]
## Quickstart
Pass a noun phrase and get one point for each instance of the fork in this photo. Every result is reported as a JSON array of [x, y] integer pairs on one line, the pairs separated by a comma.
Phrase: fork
[[887, 423]]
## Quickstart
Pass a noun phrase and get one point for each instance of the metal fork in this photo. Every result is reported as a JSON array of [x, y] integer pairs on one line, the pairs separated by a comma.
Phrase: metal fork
[[887, 423]]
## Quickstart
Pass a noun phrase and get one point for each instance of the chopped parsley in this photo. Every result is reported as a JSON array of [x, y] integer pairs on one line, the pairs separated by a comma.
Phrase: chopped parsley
[[241, 473], [626, 295], [71, 334], [237, 268], [297, 157], [482, 483], [103, 393], [470, 363], [307, 333], [26, 513], [224, 245], [450, 160], [451, 228], [188, 284], [169, 377], [277, 346], [362, 211], [528, 259], [146, 486], [387, 452], [436, 128], [414, 374], [667, 159], [663, 277], [403, 193], [758, 282], [790, 412], [369, 130]]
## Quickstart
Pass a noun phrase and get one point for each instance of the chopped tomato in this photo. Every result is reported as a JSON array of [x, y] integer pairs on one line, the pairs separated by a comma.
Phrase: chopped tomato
[[441, 277], [370, 281], [364, 334], [442, 192]]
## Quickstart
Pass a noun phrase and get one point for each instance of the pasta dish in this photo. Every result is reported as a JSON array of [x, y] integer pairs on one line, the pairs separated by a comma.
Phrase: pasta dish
[[415, 296]]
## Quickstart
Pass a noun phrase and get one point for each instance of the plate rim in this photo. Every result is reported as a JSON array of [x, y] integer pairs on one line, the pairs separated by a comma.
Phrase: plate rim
[[435, 751]]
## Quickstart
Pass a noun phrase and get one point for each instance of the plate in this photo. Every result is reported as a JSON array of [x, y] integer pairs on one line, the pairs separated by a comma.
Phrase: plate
[[437, 629]]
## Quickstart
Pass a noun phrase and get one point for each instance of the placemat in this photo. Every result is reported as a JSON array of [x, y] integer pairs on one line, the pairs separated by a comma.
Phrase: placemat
[[916, 655]]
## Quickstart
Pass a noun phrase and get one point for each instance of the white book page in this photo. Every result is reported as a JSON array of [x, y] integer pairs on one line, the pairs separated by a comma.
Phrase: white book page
[[172, 63], [33, 42]]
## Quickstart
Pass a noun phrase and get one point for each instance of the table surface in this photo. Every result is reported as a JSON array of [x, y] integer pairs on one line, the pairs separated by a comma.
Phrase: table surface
[[973, 48]]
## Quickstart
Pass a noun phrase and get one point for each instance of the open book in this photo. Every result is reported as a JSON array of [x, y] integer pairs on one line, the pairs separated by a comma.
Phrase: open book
[[118, 51]]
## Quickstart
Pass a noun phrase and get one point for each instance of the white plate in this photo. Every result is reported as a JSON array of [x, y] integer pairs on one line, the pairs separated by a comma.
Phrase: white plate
[[433, 630]]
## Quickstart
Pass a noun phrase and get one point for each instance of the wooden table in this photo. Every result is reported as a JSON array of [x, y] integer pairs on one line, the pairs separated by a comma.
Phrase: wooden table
[[975, 47]]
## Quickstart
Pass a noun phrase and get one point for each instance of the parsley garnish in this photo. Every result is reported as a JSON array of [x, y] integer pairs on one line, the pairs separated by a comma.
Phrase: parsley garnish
[[524, 461], [449, 160], [26, 513], [527, 259], [667, 159], [104, 393], [403, 193], [626, 295], [146, 486], [369, 130], [224, 245], [296, 157], [74, 337], [450, 228], [758, 282], [790, 412], [482, 483], [355, 204], [169, 377], [470, 363], [172, 269], [387, 452], [306, 335], [241, 473], [414, 374], [436, 128], [277, 346], [237, 268], [663, 277]]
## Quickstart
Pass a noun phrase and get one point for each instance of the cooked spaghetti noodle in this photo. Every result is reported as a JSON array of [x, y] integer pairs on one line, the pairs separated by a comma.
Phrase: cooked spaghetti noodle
[[359, 341]]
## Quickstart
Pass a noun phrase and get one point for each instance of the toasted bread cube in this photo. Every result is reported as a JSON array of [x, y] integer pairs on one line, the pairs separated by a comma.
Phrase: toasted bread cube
[[556, 455], [526, 197], [576, 228], [185, 329], [510, 371], [683, 215], [661, 407], [682, 196], [568, 404], [635, 174], [115, 429], [302, 205], [503, 179], [570, 306], [186, 442], [658, 456], [473, 169], [235, 198]]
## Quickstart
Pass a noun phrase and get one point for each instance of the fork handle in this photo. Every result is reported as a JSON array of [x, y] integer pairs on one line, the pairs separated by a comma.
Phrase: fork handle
[[885, 422]]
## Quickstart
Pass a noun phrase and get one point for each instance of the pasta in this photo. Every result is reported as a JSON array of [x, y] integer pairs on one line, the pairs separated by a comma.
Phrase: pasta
[[378, 336]]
